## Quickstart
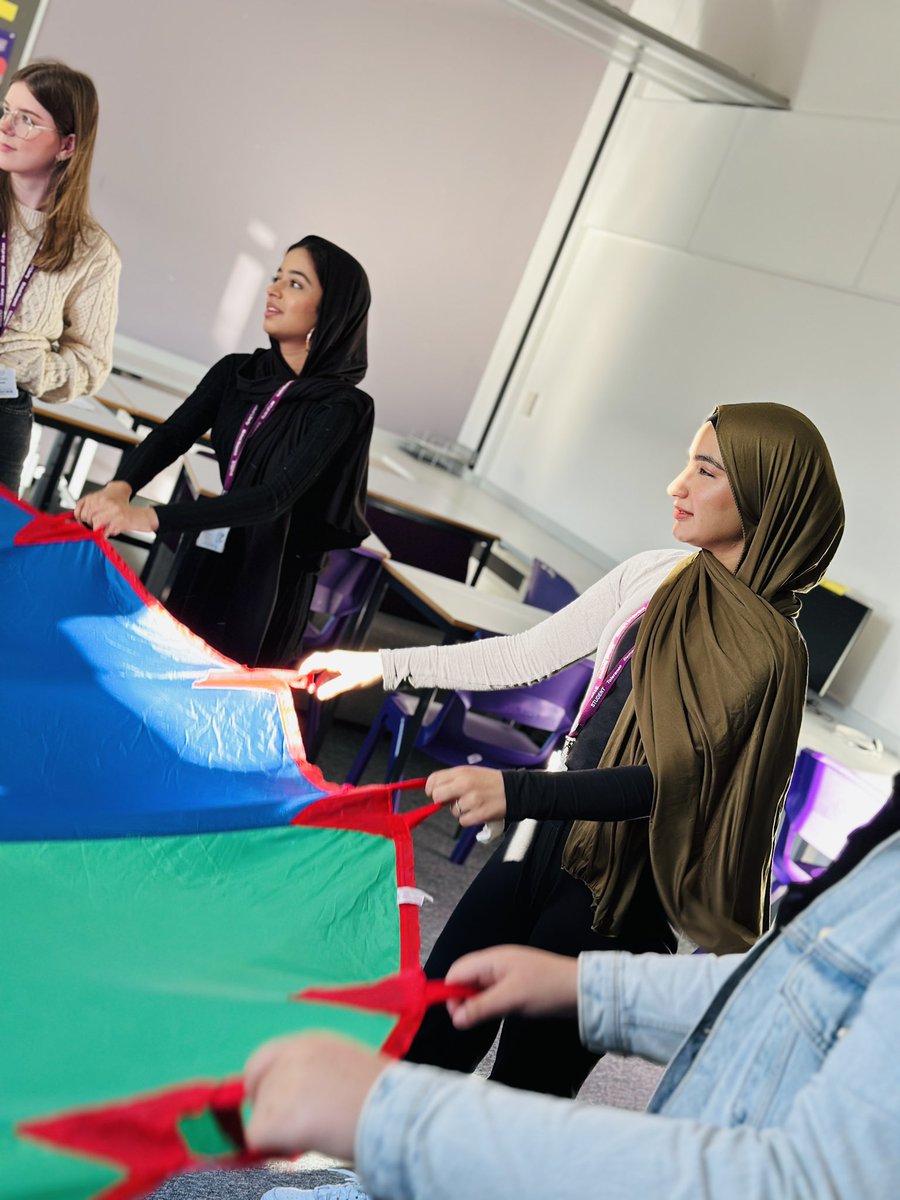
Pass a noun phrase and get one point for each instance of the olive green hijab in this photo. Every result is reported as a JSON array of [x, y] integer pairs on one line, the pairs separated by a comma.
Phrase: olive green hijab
[[719, 683]]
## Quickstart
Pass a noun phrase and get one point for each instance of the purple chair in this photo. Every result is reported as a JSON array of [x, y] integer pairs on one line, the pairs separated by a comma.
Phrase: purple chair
[[344, 585], [546, 589], [488, 729], [343, 589], [825, 803]]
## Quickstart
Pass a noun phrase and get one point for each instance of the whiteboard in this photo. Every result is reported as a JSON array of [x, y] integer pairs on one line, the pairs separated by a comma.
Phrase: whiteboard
[[427, 137]]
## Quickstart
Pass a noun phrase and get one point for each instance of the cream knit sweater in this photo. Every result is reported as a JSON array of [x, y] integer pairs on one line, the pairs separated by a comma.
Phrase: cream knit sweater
[[59, 341]]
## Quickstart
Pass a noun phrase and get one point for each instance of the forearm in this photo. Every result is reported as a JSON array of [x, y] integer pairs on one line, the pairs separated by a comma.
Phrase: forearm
[[489, 663], [159, 449], [646, 1004], [610, 794], [251, 506], [425, 1134], [55, 375], [77, 361]]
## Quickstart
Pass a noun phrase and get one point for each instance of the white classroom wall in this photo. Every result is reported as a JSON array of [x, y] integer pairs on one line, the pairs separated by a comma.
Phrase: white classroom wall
[[426, 136], [730, 254]]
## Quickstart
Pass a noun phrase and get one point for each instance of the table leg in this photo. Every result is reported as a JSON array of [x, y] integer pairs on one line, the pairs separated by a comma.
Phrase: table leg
[[367, 615], [483, 557], [45, 489]]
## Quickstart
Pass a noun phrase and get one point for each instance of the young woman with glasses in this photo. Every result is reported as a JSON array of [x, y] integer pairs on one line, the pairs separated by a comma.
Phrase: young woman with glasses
[[59, 271]]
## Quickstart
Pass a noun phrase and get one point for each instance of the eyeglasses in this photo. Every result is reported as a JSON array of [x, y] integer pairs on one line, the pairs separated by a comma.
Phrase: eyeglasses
[[24, 125]]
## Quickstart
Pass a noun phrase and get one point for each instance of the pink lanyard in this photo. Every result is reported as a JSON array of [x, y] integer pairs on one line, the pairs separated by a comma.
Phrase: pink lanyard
[[250, 424], [603, 680], [6, 314]]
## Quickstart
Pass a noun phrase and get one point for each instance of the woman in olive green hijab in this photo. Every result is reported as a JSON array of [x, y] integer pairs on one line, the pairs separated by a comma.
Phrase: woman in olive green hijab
[[719, 686], [675, 832]]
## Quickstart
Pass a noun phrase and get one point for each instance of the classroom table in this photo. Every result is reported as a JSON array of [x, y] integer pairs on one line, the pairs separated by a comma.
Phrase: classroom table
[[146, 403], [397, 477], [77, 419], [394, 492], [455, 608]]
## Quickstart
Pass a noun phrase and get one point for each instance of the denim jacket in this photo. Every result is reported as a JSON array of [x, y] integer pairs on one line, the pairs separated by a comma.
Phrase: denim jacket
[[783, 1079]]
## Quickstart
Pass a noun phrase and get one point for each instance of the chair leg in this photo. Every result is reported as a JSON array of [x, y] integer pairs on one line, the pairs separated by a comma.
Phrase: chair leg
[[463, 845], [366, 751], [396, 746]]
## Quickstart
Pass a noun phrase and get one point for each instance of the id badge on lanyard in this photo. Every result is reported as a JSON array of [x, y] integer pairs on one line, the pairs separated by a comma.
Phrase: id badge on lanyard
[[215, 539], [600, 689], [9, 388], [212, 539]]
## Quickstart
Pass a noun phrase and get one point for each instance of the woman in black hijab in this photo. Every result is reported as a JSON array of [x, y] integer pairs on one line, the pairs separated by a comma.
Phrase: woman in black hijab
[[291, 433]]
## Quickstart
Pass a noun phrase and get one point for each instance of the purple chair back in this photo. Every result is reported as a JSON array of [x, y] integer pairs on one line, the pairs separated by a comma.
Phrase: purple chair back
[[342, 589], [487, 725], [548, 590], [825, 802]]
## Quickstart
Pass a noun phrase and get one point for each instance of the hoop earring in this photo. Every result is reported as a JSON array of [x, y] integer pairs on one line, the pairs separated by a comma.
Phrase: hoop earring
[[309, 338]]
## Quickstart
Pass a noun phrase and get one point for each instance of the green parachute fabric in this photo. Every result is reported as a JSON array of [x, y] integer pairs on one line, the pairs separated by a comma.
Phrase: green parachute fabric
[[140, 973]]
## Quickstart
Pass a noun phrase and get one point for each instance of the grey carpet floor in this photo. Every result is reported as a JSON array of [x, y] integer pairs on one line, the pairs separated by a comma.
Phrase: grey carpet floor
[[621, 1083]]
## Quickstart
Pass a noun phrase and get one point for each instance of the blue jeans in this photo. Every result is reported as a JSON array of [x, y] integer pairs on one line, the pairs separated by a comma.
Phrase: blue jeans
[[15, 438]]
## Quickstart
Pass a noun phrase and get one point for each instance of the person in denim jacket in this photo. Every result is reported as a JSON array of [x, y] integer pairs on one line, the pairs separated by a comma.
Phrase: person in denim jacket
[[783, 1076]]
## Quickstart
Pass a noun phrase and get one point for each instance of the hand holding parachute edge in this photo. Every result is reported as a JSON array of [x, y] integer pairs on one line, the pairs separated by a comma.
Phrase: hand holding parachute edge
[[477, 794], [308, 1092], [513, 979], [342, 671]]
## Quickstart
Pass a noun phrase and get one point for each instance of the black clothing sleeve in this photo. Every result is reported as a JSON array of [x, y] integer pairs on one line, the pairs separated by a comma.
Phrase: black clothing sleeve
[[602, 794], [167, 442], [330, 426]]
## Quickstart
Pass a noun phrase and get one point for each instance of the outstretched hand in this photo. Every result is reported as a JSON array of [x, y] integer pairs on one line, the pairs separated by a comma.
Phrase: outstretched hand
[[350, 669], [475, 794], [514, 979], [307, 1093]]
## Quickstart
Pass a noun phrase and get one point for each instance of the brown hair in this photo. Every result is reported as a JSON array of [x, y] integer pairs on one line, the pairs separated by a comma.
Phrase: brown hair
[[71, 99]]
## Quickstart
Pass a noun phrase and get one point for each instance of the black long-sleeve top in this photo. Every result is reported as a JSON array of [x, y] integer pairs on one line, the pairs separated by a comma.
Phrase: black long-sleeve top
[[610, 794], [304, 455], [299, 490]]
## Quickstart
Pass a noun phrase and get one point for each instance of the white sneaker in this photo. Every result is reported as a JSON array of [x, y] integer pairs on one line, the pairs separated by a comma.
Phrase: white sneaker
[[351, 1190]]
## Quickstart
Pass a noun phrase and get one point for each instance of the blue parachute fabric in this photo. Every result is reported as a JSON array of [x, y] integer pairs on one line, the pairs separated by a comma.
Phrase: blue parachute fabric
[[103, 731]]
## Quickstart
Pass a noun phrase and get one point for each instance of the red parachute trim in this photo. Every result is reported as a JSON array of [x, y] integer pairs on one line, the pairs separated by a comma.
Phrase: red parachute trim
[[371, 810], [142, 1137], [407, 995]]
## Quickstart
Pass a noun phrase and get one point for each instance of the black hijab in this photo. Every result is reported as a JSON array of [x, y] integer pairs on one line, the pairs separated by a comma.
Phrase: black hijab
[[338, 351]]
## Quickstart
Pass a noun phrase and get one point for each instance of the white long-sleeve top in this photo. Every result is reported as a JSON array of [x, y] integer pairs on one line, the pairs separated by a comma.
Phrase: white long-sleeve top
[[584, 627], [59, 341]]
